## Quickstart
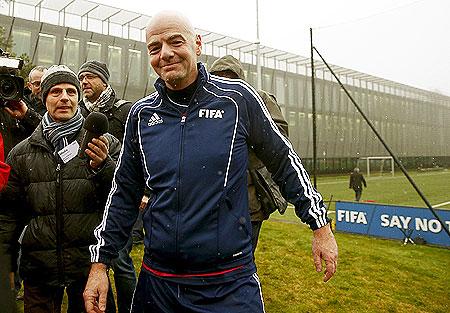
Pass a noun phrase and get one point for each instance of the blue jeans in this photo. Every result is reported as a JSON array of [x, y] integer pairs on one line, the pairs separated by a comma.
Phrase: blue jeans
[[124, 278]]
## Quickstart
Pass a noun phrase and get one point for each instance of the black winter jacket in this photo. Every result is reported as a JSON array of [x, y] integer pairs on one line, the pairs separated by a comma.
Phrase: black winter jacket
[[14, 131], [60, 204], [356, 181], [34, 102]]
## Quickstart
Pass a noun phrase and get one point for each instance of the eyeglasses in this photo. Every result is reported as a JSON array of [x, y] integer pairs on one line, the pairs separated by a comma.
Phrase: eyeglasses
[[87, 76], [36, 83]]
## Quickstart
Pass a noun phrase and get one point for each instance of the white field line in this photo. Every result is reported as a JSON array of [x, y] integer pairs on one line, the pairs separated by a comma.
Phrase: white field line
[[441, 204]]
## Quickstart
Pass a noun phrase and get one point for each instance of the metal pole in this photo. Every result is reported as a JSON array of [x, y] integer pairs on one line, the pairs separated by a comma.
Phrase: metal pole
[[397, 161], [368, 166], [62, 48], [392, 168], [33, 57], [8, 39], [258, 52], [313, 99]]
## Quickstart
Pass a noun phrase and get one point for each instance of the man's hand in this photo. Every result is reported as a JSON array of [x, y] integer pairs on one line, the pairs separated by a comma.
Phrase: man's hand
[[98, 151], [17, 109], [96, 289], [324, 247], [144, 202]]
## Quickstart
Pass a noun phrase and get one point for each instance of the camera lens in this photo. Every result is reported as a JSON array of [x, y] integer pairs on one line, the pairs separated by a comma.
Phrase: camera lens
[[8, 88]]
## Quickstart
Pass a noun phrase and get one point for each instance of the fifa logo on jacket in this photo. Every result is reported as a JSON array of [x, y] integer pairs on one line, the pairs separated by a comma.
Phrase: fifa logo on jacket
[[210, 113]]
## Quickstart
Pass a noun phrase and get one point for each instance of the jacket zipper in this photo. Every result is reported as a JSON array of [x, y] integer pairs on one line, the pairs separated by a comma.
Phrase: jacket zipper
[[182, 123], [59, 224], [180, 160]]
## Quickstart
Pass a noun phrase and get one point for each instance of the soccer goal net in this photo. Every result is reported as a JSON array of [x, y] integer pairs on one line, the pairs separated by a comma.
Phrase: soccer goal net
[[380, 165]]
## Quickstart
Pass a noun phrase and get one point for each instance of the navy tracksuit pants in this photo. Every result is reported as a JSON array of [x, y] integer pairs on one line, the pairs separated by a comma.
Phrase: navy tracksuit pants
[[157, 295]]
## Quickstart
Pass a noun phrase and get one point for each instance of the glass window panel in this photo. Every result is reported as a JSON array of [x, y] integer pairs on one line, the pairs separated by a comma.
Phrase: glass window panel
[[292, 118], [300, 96], [46, 50], [135, 68], [279, 89], [251, 78], [115, 64], [71, 54], [94, 51], [267, 82], [291, 91], [307, 100], [22, 41]]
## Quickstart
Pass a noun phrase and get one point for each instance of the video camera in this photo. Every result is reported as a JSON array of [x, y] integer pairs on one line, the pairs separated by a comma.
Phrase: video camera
[[11, 85]]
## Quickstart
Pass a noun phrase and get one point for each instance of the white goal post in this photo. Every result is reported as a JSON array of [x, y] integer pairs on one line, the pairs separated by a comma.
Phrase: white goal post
[[382, 159]]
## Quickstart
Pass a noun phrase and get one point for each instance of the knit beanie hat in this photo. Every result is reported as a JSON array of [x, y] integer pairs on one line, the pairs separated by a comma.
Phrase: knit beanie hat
[[58, 74], [97, 68], [228, 63]]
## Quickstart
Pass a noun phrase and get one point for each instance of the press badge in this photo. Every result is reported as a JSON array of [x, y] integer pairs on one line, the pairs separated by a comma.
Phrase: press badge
[[69, 152]]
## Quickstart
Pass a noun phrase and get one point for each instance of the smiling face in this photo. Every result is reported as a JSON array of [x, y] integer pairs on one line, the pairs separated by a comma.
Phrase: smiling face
[[62, 102], [173, 49]]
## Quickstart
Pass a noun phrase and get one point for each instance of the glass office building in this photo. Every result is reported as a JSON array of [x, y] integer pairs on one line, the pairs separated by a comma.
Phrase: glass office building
[[415, 123]]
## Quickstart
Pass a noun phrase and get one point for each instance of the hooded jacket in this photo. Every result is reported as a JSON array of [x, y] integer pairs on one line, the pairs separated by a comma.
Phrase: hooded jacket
[[52, 209], [194, 161], [230, 63]]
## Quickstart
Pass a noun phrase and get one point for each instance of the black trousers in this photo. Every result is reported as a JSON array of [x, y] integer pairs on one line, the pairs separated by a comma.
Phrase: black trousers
[[358, 193], [256, 228], [40, 298]]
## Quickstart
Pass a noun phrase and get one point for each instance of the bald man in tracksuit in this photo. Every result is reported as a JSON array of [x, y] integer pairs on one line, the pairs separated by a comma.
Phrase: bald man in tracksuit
[[187, 143]]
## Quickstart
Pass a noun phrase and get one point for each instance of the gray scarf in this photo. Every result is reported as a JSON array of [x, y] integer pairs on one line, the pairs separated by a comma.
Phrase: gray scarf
[[59, 134], [104, 102]]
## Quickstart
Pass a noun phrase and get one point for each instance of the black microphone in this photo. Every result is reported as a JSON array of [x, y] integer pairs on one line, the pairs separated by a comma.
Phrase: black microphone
[[95, 125]]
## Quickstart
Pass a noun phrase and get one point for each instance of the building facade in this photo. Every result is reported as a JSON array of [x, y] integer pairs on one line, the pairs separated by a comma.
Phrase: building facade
[[415, 123]]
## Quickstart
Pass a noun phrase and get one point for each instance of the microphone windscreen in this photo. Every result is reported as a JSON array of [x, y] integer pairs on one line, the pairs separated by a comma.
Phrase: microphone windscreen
[[96, 123]]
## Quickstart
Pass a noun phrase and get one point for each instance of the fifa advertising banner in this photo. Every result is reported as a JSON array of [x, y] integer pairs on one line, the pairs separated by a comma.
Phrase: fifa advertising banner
[[396, 222]]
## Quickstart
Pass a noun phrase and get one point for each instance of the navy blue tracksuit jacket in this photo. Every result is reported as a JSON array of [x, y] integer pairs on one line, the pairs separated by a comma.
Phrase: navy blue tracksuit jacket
[[195, 165]]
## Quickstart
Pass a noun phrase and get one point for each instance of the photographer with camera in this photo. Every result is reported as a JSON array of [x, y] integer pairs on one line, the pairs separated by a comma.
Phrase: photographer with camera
[[17, 120], [16, 123]]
